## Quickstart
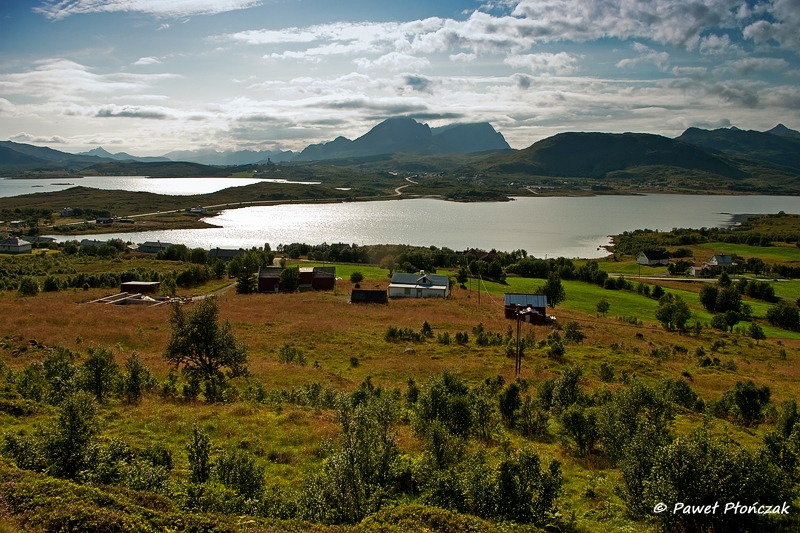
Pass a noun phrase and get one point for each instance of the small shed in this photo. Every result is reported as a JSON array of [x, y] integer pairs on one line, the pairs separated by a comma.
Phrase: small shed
[[652, 258], [420, 285], [522, 302], [140, 287], [269, 279], [15, 245], [369, 296]]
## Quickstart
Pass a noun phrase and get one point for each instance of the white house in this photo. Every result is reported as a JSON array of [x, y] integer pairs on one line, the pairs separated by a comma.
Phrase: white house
[[15, 245], [652, 258], [721, 261], [420, 285]]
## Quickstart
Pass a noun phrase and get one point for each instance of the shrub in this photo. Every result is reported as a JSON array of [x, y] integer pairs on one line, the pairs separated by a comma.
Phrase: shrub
[[356, 277], [238, 471], [784, 315], [28, 286], [199, 452], [288, 354]]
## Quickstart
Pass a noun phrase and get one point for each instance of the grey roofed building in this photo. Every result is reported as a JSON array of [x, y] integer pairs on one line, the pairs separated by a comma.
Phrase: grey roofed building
[[721, 260], [15, 245], [92, 242], [226, 254], [151, 247], [420, 285]]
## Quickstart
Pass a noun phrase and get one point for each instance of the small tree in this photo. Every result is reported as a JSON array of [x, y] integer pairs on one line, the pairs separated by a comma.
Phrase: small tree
[[28, 286], [207, 349], [553, 290], [136, 379], [603, 306], [290, 279], [356, 277], [199, 451], [245, 283], [708, 296], [100, 371], [756, 332], [67, 444], [573, 332]]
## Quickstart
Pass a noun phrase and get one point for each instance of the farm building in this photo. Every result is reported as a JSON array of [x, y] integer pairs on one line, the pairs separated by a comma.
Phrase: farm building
[[369, 296], [318, 278], [140, 287], [15, 245], [420, 285], [651, 258], [225, 254], [269, 279], [151, 247], [537, 303]]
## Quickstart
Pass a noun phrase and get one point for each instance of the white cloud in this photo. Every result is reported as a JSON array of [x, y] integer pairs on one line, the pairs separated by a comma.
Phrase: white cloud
[[716, 45], [394, 62], [60, 9], [747, 66], [27, 138], [646, 55], [463, 57], [560, 63], [781, 25], [147, 61], [690, 72], [164, 26]]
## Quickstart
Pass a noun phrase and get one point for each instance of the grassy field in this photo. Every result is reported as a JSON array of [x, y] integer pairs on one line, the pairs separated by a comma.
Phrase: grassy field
[[780, 252], [290, 440]]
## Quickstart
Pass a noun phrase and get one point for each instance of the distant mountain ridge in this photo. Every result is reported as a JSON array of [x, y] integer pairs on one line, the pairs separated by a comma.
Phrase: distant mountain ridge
[[209, 156], [594, 155], [122, 156], [407, 135], [778, 147]]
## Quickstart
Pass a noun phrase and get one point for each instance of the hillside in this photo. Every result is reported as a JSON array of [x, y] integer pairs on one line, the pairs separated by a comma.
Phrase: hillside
[[594, 155], [781, 150], [407, 135]]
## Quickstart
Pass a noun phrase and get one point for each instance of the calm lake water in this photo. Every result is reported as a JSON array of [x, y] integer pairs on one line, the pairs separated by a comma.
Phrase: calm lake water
[[568, 227], [171, 186]]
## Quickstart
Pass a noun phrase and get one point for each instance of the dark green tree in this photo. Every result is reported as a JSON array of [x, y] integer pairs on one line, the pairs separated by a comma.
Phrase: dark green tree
[[290, 279], [603, 306], [553, 289], [199, 451], [206, 348], [708, 296], [100, 372], [356, 277]]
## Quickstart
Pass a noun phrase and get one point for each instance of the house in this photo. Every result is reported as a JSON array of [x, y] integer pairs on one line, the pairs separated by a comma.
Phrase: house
[[721, 261], [651, 258], [269, 279], [15, 245], [38, 240], [226, 254], [702, 271], [16, 223], [140, 287], [104, 221], [420, 285], [368, 296], [534, 307], [91, 242], [151, 247], [199, 210], [66, 212]]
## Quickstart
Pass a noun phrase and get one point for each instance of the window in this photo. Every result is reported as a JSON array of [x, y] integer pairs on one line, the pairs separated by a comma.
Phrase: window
[[407, 292]]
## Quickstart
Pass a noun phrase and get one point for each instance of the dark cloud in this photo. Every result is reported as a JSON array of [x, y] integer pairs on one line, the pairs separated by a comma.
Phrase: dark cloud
[[522, 81], [735, 94], [131, 112], [390, 108], [418, 83]]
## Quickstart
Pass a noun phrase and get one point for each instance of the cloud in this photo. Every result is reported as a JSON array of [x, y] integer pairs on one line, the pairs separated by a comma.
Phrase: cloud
[[60, 9], [735, 93], [646, 55], [164, 26], [147, 61], [466, 58], [418, 83], [696, 73], [128, 111], [560, 63], [59, 79], [27, 138], [747, 66], [716, 45], [782, 24], [394, 61]]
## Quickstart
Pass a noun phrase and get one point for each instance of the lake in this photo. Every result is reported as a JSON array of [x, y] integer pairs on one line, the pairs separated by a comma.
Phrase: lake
[[545, 227], [171, 186]]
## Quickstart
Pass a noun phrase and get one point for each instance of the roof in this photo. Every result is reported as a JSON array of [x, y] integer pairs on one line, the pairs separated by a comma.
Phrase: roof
[[525, 300], [156, 244], [324, 272], [269, 272], [421, 279], [653, 255], [722, 258], [92, 242], [141, 283], [224, 252], [14, 241]]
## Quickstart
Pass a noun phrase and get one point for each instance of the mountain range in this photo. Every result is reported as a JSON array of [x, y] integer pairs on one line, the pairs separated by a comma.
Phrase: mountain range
[[407, 135], [727, 154]]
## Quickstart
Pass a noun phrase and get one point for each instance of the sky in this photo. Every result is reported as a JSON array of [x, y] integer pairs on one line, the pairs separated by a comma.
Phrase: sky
[[150, 76]]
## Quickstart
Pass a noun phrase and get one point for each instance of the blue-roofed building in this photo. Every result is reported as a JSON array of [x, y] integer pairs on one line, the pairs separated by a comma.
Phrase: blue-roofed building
[[533, 305]]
